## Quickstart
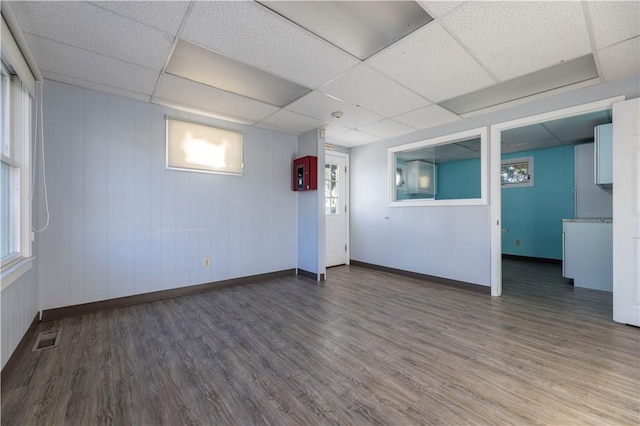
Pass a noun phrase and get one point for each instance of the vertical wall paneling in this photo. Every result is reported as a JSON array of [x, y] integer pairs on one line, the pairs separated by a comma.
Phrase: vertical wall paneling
[[76, 194], [95, 190], [142, 199], [55, 282], [120, 196], [123, 224]]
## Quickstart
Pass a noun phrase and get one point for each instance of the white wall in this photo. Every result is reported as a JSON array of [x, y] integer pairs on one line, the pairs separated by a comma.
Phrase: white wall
[[311, 225], [449, 242], [121, 224], [19, 307]]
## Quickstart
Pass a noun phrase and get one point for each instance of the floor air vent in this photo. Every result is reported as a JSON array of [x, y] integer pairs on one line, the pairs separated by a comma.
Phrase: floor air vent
[[47, 339]]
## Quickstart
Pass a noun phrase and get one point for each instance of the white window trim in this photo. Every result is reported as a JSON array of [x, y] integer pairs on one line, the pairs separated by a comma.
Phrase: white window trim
[[529, 160], [441, 140], [16, 265]]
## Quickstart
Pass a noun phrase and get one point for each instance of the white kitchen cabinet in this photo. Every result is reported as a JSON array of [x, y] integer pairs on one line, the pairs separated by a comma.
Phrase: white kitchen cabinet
[[603, 155], [587, 253]]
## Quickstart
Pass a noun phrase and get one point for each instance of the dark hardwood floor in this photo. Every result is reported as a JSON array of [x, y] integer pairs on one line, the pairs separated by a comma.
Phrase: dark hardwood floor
[[365, 347]]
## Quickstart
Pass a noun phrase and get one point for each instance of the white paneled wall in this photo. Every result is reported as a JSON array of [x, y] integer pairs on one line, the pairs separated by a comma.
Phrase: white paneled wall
[[19, 307], [121, 224]]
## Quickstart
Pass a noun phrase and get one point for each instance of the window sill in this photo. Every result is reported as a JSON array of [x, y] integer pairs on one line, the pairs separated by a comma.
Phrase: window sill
[[13, 272]]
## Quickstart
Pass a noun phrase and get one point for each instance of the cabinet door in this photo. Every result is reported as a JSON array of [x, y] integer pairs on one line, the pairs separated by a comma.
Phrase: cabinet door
[[603, 154]]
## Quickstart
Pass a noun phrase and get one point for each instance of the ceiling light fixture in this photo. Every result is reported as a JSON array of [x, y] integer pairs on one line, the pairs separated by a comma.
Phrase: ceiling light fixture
[[361, 28]]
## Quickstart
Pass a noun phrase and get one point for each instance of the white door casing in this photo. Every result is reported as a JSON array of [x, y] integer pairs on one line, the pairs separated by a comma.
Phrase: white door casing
[[626, 212], [336, 208]]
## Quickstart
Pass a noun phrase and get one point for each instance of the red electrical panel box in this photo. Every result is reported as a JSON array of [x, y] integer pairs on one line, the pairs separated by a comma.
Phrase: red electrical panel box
[[305, 173]]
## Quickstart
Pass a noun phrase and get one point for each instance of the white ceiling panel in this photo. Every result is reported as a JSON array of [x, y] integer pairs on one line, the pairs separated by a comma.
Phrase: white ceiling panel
[[430, 62], [620, 60], [251, 33], [209, 98], [163, 15], [293, 122], [332, 129], [515, 38], [614, 21], [438, 8], [320, 106], [369, 89], [352, 138], [95, 29], [386, 129], [526, 134], [78, 63], [578, 126], [95, 86], [430, 116]]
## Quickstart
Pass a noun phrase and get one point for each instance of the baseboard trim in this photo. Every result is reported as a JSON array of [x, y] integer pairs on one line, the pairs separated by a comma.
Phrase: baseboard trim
[[432, 279], [532, 259], [120, 302], [18, 351], [310, 275]]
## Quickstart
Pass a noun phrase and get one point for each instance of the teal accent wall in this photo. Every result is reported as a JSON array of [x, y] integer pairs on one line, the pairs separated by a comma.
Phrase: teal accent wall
[[533, 215], [458, 179]]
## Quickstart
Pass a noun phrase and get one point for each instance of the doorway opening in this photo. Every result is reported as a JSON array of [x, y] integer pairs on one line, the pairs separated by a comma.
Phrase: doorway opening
[[549, 139], [336, 195]]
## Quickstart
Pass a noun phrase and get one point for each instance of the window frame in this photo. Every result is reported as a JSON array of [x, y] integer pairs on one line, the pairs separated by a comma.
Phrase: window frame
[[530, 167], [17, 155], [201, 168], [480, 132]]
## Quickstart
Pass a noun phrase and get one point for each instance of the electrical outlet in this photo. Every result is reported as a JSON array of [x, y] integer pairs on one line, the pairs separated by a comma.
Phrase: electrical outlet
[[517, 242], [207, 262]]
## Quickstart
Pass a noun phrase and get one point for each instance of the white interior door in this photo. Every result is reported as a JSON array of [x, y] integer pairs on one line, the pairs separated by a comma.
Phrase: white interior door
[[337, 217], [626, 212]]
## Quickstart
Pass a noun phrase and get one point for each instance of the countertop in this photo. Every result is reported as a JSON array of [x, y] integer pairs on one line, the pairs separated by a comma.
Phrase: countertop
[[590, 220]]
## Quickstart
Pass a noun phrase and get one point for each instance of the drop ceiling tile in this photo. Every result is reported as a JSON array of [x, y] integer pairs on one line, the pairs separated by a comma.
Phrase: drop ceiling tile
[[526, 134], [430, 62], [430, 116], [578, 126], [575, 140], [332, 129], [189, 93], [292, 122], [320, 106], [438, 8], [369, 89], [262, 125], [352, 138], [95, 86], [162, 15], [614, 21], [515, 38], [386, 129], [620, 60], [83, 25], [81, 64], [251, 33]]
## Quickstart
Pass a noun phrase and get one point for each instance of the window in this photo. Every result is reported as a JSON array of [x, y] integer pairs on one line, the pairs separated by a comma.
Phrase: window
[[15, 209], [516, 172], [201, 148], [331, 201], [448, 170]]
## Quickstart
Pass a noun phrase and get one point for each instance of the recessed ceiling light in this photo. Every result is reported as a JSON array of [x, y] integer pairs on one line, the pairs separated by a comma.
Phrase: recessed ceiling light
[[361, 28], [557, 76], [213, 69]]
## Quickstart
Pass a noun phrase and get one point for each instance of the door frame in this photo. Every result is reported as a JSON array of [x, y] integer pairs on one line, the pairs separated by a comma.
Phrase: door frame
[[346, 201], [495, 215]]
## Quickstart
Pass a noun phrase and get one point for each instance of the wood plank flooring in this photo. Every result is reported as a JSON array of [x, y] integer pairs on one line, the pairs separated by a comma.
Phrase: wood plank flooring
[[365, 347]]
